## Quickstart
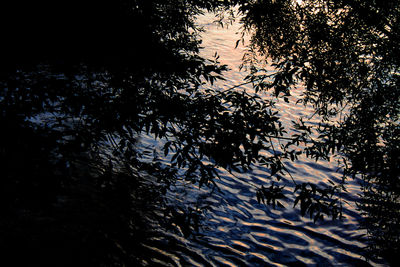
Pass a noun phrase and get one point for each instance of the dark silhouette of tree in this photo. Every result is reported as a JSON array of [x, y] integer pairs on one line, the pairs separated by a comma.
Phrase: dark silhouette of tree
[[346, 56], [81, 82]]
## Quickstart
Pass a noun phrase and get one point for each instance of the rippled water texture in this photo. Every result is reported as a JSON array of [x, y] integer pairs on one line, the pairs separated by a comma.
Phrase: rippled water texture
[[237, 230]]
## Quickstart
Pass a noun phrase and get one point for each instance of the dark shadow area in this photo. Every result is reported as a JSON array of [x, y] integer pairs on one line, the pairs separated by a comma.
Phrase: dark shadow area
[[80, 80], [82, 83]]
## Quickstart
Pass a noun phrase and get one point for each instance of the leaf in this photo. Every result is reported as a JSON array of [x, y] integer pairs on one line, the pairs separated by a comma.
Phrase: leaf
[[273, 169], [237, 43], [296, 201], [311, 211], [166, 148], [317, 216], [174, 156], [303, 207], [298, 186]]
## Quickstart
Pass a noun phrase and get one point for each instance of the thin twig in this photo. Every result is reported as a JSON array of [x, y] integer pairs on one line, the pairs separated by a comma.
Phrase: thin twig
[[286, 138], [241, 84], [283, 166]]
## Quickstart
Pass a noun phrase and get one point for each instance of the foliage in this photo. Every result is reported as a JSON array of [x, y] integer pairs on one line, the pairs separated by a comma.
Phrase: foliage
[[76, 100], [77, 96], [344, 54]]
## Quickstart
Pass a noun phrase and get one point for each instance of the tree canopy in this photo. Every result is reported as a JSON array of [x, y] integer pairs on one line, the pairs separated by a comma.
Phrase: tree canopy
[[77, 93], [80, 83], [346, 56]]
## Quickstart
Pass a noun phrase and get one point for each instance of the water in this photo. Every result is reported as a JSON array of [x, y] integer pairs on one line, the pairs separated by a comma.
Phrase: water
[[237, 230]]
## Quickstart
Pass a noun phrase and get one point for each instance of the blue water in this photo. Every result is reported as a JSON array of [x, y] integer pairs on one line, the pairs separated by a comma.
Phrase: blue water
[[237, 230]]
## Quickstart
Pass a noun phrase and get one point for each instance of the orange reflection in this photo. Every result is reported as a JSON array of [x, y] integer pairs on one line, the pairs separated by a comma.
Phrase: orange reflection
[[227, 219], [259, 234], [240, 243], [222, 229]]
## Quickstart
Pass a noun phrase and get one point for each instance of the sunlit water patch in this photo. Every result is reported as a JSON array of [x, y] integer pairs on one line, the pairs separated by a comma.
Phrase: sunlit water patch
[[237, 230]]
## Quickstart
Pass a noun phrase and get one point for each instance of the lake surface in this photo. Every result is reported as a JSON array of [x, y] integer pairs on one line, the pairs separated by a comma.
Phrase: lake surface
[[237, 230]]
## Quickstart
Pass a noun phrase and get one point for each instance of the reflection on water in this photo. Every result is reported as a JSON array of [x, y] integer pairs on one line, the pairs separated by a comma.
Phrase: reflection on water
[[237, 230]]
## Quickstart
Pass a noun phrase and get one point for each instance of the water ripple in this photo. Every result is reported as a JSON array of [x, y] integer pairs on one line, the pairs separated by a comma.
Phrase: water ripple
[[238, 231]]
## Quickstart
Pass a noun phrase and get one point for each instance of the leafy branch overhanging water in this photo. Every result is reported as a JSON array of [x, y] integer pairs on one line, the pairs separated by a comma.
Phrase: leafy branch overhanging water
[[75, 104]]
